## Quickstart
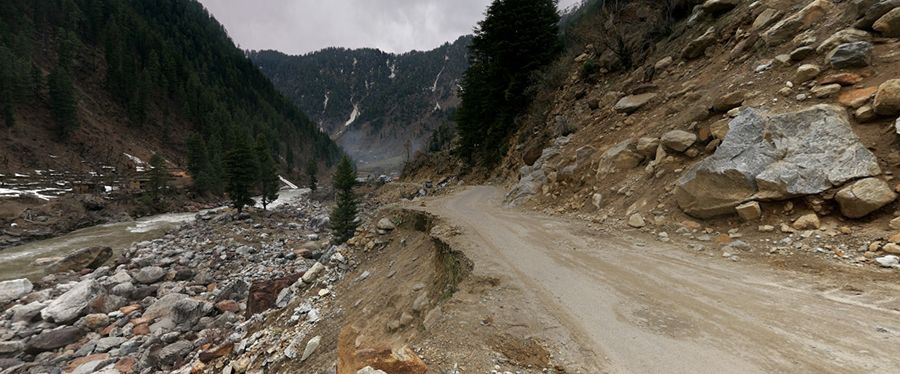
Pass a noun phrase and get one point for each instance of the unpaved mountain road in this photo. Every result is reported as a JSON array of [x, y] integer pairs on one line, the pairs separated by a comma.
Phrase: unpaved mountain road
[[654, 308]]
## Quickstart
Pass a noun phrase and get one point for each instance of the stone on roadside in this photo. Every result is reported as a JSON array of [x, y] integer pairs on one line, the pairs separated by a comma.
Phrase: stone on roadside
[[865, 113], [798, 22], [889, 24], [806, 72], [313, 273], [630, 104], [851, 55], [887, 99], [731, 100], [890, 261], [636, 220], [749, 211], [827, 90], [646, 146], [865, 196], [807, 222], [678, 140]]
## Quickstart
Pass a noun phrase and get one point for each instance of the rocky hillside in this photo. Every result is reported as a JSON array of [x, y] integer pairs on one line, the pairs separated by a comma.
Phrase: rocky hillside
[[89, 85], [774, 121], [372, 102]]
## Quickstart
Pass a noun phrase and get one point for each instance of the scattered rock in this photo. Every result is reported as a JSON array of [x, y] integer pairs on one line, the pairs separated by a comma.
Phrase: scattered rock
[[806, 72], [887, 99], [844, 36], [865, 196], [54, 339], [678, 140], [822, 92], [717, 7], [731, 100], [311, 347], [646, 146], [890, 261], [630, 104], [149, 275], [636, 220], [889, 24], [796, 23], [697, 47], [856, 98], [385, 224], [776, 157], [851, 55], [749, 211], [87, 258], [807, 222], [875, 12], [802, 53]]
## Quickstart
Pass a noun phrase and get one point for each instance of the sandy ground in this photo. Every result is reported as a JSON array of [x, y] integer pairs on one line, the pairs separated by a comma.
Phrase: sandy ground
[[614, 303]]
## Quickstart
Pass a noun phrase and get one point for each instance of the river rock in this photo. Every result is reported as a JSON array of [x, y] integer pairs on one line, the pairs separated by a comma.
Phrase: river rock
[[630, 104], [149, 275], [14, 289], [27, 312], [864, 196], [889, 24], [54, 339], [87, 258], [887, 99], [851, 55], [72, 304], [775, 157], [678, 140]]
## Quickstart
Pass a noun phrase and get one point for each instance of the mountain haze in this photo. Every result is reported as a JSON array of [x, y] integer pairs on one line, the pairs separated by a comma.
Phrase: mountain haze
[[372, 102]]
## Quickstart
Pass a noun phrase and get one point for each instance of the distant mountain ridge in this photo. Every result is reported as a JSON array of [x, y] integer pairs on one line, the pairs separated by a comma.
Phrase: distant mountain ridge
[[372, 102]]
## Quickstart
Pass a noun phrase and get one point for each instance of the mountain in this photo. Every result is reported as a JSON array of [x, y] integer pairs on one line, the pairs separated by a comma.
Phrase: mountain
[[91, 84], [372, 102]]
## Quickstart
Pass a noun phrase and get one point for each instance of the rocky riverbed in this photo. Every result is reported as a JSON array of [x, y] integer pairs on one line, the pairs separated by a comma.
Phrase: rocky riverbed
[[169, 304]]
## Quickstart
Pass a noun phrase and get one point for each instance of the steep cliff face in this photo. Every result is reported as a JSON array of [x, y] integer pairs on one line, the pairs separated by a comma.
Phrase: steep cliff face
[[378, 106]]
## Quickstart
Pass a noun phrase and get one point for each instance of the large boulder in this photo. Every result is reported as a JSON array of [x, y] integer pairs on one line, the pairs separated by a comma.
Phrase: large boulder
[[87, 258], [798, 22], [54, 339], [74, 303], [889, 24], [776, 157], [851, 55], [887, 99], [875, 12], [864, 196], [14, 289]]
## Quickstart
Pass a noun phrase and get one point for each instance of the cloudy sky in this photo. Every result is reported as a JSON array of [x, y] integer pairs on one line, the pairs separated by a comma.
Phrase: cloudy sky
[[300, 26]]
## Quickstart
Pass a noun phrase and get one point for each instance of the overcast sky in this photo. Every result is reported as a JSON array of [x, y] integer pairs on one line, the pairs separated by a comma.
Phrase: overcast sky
[[300, 26]]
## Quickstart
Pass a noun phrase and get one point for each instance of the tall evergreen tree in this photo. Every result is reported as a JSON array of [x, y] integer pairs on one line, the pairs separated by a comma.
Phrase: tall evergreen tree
[[343, 216], [516, 38], [312, 170], [157, 184], [268, 173], [62, 101], [241, 174]]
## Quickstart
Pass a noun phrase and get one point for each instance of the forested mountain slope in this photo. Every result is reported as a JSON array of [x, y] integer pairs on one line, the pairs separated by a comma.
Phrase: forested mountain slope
[[370, 101], [83, 82]]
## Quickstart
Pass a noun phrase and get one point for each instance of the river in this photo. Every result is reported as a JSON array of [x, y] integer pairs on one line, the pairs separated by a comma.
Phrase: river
[[18, 262]]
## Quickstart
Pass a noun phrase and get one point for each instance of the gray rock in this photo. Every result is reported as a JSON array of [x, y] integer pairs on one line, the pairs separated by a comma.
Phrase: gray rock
[[11, 346], [622, 156], [14, 289], [74, 303], [697, 47], [149, 275], [54, 339], [27, 312], [311, 347], [842, 37], [385, 224], [890, 261], [164, 306], [313, 273], [105, 344], [172, 353], [631, 103], [865, 196], [87, 258], [236, 289], [851, 55], [123, 289], [790, 26], [678, 140], [776, 157]]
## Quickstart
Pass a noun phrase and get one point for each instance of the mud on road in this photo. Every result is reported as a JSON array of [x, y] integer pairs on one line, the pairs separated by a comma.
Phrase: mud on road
[[616, 303]]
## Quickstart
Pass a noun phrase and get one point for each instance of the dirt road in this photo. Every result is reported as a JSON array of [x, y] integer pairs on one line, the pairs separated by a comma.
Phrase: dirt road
[[652, 308]]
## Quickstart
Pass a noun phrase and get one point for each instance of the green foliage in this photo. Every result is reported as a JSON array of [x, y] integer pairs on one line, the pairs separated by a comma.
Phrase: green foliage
[[516, 38], [62, 102], [161, 58], [240, 174], [267, 173], [157, 183], [441, 138], [343, 216], [312, 171]]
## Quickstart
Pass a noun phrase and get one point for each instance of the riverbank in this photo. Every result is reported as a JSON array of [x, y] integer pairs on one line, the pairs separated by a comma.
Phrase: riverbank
[[162, 299]]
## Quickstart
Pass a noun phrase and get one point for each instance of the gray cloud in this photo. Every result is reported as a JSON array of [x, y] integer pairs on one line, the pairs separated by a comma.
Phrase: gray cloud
[[300, 26]]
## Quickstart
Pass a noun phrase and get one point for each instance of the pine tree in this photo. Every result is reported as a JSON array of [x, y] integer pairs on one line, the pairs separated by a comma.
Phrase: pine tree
[[240, 174], [343, 216], [62, 101], [516, 38], [312, 170], [268, 173], [157, 184], [198, 163]]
